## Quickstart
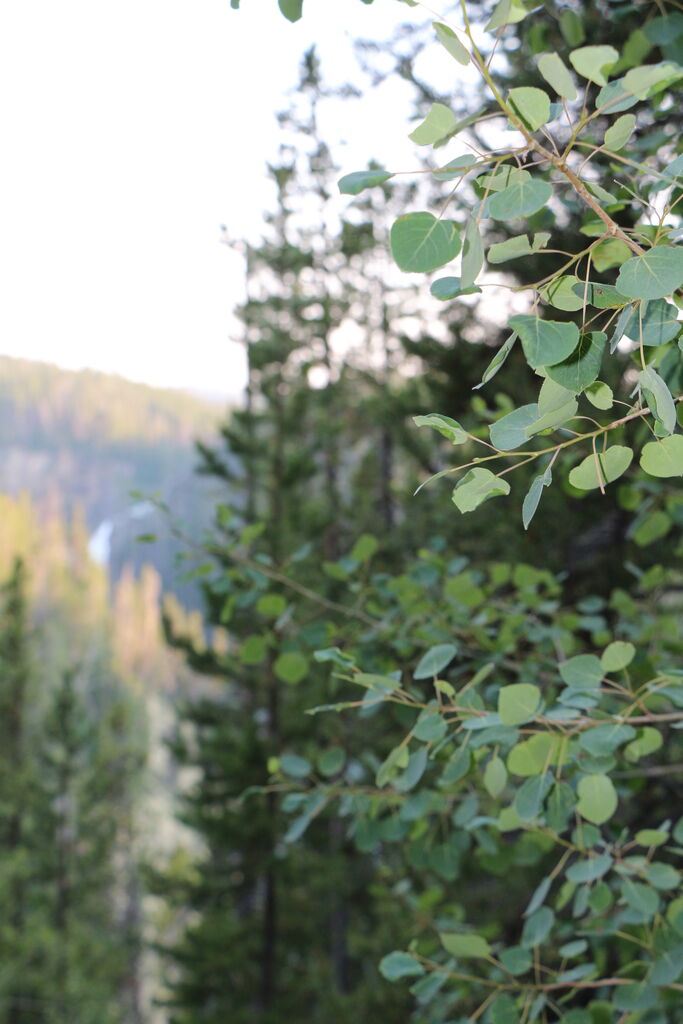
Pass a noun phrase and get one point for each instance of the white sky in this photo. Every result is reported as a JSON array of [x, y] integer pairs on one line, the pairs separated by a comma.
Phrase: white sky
[[131, 130]]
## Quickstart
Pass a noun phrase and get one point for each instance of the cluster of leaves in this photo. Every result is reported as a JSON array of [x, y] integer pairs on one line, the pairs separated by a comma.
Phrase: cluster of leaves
[[495, 776], [529, 727], [544, 169]]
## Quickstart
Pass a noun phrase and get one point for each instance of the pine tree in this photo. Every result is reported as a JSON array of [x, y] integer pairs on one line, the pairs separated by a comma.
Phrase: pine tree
[[17, 782], [70, 762], [271, 937]]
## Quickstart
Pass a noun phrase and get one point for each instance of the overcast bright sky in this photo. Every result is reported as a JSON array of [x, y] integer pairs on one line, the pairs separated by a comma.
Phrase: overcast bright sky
[[131, 130]]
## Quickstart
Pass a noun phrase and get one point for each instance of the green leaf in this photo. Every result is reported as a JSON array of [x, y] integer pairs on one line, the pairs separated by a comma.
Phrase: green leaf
[[571, 27], [271, 605], [435, 660], [334, 655], [659, 272], [647, 742], [545, 342], [291, 9], [597, 798], [604, 296], [417, 763], [583, 365], [294, 766], [651, 837], [518, 703], [565, 292], [641, 898], [531, 794], [636, 995], [663, 876], [497, 361], [612, 463], [520, 200], [506, 12], [663, 458], [538, 896], [664, 29], [600, 395], [574, 948], [618, 134], [472, 947], [364, 548], [582, 672], [675, 914], [556, 74], [603, 740], [448, 428], [534, 755], [509, 432], [457, 768], [455, 168], [537, 927], [594, 62], [495, 777], [671, 175], [667, 968], [354, 183], [504, 1010], [590, 870], [617, 656], [476, 487], [652, 528], [254, 649], [517, 246], [555, 417], [611, 253], [658, 398], [619, 328], [614, 98], [515, 960], [377, 683], [438, 123], [552, 397], [291, 667], [650, 79], [430, 726], [653, 323], [420, 242], [398, 965], [331, 761], [502, 178], [531, 105], [533, 496], [472, 253], [396, 759], [450, 288], [448, 38]]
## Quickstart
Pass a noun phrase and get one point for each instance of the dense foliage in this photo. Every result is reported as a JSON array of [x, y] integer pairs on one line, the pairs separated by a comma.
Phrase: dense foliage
[[428, 768], [523, 725]]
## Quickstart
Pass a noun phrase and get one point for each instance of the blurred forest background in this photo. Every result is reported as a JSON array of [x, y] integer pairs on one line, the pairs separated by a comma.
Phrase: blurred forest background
[[146, 685]]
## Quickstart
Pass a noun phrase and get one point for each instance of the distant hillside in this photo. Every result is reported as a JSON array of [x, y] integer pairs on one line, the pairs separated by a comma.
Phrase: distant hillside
[[93, 407], [89, 439]]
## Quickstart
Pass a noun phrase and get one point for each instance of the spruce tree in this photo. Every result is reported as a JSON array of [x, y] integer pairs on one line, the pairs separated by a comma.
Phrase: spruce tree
[[71, 759], [18, 989], [271, 936]]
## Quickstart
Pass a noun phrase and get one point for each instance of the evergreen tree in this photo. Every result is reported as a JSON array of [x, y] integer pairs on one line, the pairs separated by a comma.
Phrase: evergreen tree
[[296, 929], [71, 758], [18, 993]]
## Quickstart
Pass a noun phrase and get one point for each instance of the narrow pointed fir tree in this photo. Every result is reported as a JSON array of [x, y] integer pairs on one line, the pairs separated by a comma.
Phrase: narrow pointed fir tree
[[270, 936], [71, 755]]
